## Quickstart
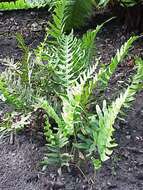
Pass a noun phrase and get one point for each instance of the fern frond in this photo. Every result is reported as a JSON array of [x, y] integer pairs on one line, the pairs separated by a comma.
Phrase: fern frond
[[12, 99], [70, 57], [48, 132], [65, 54], [68, 113], [107, 73], [55, 155], [76, 12], [50, 111], [137, 83], [72, 108], [56, 140], [88, 80], [56, 28], [24, 64], [18, 79], [88, 41], [108, 114]]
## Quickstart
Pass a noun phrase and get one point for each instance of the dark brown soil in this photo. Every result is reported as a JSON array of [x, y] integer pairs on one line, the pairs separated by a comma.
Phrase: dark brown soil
[[20, 163]]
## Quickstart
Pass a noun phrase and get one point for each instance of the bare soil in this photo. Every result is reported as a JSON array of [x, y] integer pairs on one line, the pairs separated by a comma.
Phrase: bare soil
[[20, 167]]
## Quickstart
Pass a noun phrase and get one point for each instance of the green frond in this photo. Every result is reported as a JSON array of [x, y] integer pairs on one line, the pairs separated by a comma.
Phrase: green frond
[[104, 74], [108, 72], [55, 156], [137, 83], [68, 113], [56, 27], [24, 64], [76, 12], [73, 100], [92, 80], [48, 132], [108, 114], [105, 132], [50, 111], [12, 99], [88, 41], [65, 54], [70, 59], [56, 140], [17, 78]]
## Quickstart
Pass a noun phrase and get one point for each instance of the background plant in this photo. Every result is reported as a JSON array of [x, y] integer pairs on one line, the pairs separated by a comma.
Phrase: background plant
[[77, 12], [12, 5], [125, 3]]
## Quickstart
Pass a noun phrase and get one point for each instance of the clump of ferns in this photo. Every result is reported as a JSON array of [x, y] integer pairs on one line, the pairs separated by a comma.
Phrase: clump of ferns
[[60, 80], [76, 127]]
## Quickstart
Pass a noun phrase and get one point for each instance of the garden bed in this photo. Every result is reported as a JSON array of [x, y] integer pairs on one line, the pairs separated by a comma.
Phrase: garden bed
[[20, 162]]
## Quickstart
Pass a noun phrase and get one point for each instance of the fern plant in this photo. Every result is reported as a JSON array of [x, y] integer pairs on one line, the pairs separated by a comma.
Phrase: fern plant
[[76, 78], [59, 77], [90, 132]]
